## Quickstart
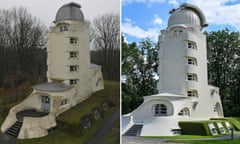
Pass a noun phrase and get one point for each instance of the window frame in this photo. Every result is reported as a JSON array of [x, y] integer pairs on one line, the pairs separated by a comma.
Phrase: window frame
[[160, 110], [73, 68], [73, 40], [73, 54], [191, 45], [73, 81], [192, 93], [63, 28], [192, 77]]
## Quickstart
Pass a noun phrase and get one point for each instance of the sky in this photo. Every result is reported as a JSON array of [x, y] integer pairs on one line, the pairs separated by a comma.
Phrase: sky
[[145, 18], [46, 10]]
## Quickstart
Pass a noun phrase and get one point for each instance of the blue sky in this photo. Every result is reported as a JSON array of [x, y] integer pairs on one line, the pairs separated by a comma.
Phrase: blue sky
[[145, 18]]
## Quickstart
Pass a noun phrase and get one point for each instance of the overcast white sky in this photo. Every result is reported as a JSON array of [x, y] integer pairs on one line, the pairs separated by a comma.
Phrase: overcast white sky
[[46, 10]]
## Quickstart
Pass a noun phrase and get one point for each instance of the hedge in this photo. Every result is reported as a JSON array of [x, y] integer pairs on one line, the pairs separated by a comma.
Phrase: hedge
[[233, 121]]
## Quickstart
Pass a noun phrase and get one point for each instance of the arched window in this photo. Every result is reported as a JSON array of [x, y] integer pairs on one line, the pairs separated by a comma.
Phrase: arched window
[[192, 77], [184, 112], [160, 110]]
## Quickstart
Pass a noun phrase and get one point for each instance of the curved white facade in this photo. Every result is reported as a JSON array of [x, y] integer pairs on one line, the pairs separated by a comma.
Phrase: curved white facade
[[184, 93]]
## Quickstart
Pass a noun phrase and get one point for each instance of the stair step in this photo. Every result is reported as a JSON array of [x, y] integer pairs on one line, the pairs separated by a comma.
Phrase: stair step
[[134, 130], [14, 129]]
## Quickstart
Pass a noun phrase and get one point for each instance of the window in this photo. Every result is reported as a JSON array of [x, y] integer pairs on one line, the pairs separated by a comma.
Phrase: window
[[192, 77], [73, 54], [73, 40], [192, 93], [178, 31], [73, 68], [64, 102], [191, 45], [73, 81], [63, 28], [184, 112], [191, 61], [160, 110]]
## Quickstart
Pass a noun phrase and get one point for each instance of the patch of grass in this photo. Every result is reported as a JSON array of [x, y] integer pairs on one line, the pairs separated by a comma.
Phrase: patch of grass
[[180, 137], [112, 137], [234, 141]]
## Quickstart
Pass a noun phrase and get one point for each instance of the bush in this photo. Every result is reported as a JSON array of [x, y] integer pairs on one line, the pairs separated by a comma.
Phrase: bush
[[233, 121], [195, 128]]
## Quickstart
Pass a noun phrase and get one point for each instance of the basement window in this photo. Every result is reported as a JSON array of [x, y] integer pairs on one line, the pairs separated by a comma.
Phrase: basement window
[[160, 110]]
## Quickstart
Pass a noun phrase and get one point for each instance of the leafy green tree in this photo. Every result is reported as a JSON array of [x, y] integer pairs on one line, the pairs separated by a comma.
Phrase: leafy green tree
[[139, 64], [223, 68]]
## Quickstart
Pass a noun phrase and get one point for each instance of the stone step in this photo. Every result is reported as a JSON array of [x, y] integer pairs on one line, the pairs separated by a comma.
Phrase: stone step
[[135, 130], [14, 129]]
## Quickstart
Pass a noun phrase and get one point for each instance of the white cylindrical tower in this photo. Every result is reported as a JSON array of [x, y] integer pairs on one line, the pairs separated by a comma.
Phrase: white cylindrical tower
[[68, 47], [182, 54]]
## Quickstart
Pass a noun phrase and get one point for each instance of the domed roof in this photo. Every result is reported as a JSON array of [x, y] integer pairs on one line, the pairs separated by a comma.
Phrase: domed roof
[[70, 11], [187, 14]]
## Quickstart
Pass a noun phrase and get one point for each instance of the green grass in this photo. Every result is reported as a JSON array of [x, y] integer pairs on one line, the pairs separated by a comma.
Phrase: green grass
[[180, 137], [229, 141], [72, 117], [112, 137]]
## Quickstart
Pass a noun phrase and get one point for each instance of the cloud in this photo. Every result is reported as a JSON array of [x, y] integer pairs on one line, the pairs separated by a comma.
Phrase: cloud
[[135, 31], [157, 20], [148, 2], [220, 12], [174, 2]]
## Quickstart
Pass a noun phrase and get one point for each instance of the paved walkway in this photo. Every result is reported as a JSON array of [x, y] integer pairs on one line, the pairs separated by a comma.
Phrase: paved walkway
[[98, 137], [6, 139]]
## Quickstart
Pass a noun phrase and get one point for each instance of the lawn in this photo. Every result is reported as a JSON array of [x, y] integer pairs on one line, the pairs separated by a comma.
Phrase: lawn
[[234, 141], [72, 117]]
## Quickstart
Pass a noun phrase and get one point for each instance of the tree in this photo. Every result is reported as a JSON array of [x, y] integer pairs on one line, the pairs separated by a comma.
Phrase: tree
[[139, 64], [105, 35], [224, 68], [22, 47]]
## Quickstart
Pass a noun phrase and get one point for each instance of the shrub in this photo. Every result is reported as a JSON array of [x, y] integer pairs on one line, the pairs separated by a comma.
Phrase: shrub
[[233, 121], [194, 128]]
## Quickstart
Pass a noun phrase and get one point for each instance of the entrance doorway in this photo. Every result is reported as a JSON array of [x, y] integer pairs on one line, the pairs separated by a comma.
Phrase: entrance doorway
[[45, 100]]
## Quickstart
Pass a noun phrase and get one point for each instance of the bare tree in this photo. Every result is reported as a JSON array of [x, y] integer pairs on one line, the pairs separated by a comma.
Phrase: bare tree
[[105, 37], [22, 39]]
